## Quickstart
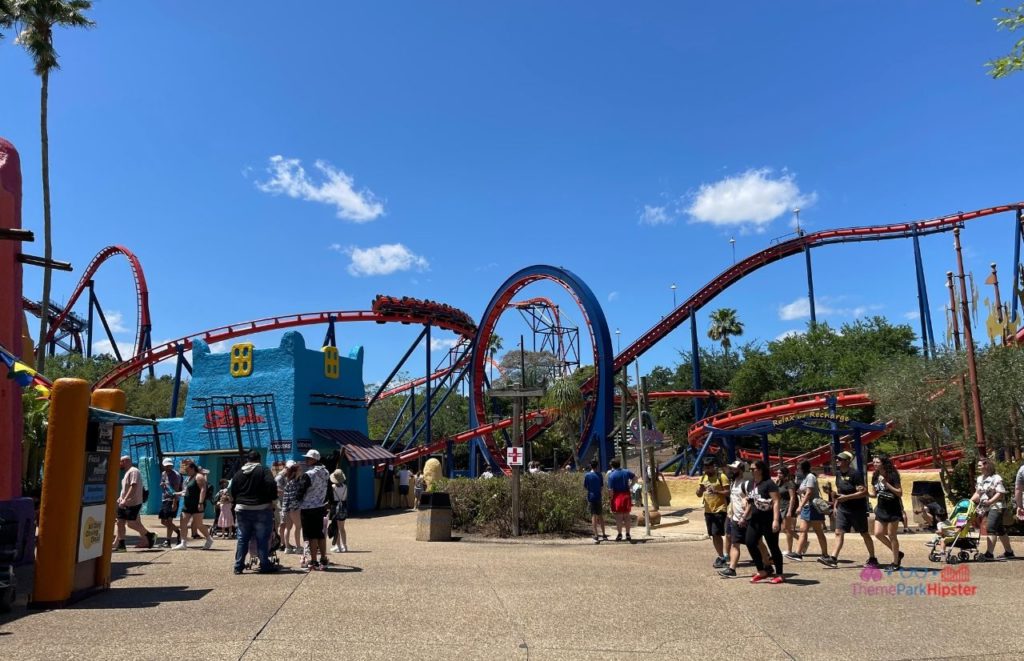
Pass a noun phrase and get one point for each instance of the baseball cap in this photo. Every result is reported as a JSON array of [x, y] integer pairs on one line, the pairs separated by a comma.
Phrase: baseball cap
[[844, 456], [289, 463], [737, 464], [167, 462], [312, 454], [125, 456], [709, 461]]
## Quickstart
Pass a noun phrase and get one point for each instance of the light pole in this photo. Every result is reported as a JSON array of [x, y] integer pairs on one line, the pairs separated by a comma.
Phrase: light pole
[[618, 341], [732, 242], [673, 288]]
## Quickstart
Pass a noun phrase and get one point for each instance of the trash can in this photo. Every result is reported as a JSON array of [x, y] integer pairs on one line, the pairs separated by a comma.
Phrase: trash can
[[434, 518]]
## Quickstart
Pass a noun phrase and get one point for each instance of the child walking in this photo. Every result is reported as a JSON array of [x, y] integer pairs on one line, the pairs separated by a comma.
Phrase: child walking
[[339, 511], [225, 517]]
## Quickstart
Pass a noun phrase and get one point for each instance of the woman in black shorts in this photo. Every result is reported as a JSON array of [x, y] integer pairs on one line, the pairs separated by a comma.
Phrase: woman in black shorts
[[193, 503], [787, 504], [764, 520], [888, 506]]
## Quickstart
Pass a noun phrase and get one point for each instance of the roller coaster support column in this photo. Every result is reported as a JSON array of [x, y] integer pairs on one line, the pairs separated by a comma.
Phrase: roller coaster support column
[[426, 406], [836, 449], [927, 338], [88, 327], [972, 367], [698, 414], [764, 450], [177, 379], [93, 301], [1016, 264], [810, 282], [329, 337], [387, 381]]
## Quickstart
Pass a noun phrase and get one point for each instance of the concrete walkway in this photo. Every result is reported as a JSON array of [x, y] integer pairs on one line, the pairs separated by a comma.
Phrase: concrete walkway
[[392, 597]]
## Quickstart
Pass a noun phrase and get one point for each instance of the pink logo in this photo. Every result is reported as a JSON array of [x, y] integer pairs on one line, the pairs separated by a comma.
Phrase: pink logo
[[870, 574]]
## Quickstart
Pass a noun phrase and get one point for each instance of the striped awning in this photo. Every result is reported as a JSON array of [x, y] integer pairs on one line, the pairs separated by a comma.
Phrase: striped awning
[[358, 449]]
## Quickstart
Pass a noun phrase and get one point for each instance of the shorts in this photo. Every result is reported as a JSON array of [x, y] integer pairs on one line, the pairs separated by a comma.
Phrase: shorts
[[995, 522], [737, 534], [887, 515], [715, 523], [129, 513], [808, 513], [340, 512], [621, 503], [312, 521], [852, 521], [403, 489], [596, 507], [168, 511], [197, 509], [784, 509]]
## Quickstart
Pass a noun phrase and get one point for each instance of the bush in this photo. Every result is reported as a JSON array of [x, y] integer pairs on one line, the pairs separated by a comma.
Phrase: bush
[[551, 503]]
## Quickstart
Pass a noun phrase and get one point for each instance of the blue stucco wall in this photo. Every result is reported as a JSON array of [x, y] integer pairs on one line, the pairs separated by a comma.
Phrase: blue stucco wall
[[292, 374]]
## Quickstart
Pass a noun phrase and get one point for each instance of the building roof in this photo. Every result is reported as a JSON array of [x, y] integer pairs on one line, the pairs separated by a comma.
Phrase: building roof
[[358, 449]]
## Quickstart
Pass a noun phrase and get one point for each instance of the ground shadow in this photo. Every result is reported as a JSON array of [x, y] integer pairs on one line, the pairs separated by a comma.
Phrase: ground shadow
[[801, 582], [146, 597], [343, 569], [119, 570]]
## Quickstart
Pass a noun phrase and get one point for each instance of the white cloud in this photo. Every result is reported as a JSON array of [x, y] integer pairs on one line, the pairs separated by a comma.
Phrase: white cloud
[[613, 296], [288, 177], [753, 198], [911, 315], [336, 247], [790, 333], [127, 349], [653, 215], [442, 344], [384, 260], [116, 321], [801, 308]]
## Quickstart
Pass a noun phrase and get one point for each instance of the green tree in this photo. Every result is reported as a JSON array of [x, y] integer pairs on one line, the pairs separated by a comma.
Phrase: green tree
[[1001, 382], [1011, 20], [38, 18], [494, 345], [724, 324], [34, 416]]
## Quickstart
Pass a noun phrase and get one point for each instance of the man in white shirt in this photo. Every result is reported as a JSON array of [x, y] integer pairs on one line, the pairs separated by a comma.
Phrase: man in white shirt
[[403, 487], [1018, 493], [129, 503]]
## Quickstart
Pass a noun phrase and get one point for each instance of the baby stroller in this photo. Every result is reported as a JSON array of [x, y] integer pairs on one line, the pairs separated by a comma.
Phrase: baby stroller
[[8, 554], [957, 538], [272, 547]]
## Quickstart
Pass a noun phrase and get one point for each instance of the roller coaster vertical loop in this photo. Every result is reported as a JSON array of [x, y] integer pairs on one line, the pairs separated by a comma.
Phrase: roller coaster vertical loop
[[597, 426]]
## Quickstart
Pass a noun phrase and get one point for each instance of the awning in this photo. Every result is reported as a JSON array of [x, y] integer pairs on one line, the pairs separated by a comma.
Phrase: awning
[[121, 419], [358, 449]]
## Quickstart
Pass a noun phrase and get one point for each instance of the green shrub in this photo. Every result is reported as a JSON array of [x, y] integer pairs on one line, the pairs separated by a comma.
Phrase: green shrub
[[551, 503]]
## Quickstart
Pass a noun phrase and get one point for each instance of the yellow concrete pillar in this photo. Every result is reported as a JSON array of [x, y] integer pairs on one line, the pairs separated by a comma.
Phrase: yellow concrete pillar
[[110, 399], [63, 478]]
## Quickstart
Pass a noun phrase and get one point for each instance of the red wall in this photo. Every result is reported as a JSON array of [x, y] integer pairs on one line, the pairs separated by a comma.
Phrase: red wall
[[10, 321]]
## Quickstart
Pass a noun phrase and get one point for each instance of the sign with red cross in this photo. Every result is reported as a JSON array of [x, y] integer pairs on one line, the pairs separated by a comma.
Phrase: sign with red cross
[[514, 456]]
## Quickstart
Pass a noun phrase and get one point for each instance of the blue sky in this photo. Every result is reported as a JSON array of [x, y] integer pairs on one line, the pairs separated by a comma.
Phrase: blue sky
[[459, 142]]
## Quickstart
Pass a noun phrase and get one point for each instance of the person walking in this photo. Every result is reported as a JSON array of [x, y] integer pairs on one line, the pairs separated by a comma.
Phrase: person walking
[[714, 488], [787, 505], [311, 509], [810, 517], [419, 486], [619, 482], [129, 503], [888, 506], [736, 523], [290, 522], [339, 510], [403, 488], [851, 510], [170, 485], [594, 484], [1018, 493], [990, 496], [764, 520], [253, 491], [194, 489]]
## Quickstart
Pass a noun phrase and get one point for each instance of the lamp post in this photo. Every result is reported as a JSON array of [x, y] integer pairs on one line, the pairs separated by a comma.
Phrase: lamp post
[[673, 288], [732, 242], [618, 341]]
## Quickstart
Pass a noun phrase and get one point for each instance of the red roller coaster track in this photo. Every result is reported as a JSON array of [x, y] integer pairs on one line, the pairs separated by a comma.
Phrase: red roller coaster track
[[141, 293]]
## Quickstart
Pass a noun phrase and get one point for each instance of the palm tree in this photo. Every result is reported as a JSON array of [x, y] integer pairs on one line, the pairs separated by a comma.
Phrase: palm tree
[[724, 325], [38, 18], [6, 15], [493, 347]]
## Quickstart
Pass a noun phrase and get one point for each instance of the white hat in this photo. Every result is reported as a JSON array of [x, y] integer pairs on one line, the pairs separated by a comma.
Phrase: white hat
[[312, 454], [167, 461], [737, 464], [289, 463], [125, 456]]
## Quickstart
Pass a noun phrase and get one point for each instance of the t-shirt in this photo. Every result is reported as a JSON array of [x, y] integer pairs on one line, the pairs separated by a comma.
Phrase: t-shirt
[[170, 484], [738, 491], [618, 480], [132, 478], [810, 483], [887, 500], [403, 477], [714, 503], [593, 482], [1020, 478], [988, 487], [340, 492], [846, 484], [936, 511], [761, 497]]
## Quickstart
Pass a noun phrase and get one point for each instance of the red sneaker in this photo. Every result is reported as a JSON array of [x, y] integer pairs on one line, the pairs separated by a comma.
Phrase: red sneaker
[[775, 580], [759, 578]]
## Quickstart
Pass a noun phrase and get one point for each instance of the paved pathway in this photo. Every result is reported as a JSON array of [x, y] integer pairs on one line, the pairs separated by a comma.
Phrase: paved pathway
[[397, 598]]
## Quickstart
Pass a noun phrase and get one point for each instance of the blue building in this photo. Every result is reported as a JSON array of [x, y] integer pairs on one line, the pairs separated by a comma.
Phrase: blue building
[[281, 402]]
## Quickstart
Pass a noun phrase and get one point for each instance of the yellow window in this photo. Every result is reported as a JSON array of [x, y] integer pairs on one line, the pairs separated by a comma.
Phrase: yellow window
[[241, 359], [332, 364]]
